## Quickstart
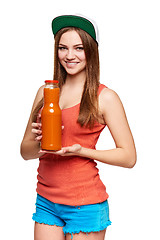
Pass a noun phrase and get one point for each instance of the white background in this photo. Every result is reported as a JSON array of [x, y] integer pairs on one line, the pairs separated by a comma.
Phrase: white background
[[130, 65]]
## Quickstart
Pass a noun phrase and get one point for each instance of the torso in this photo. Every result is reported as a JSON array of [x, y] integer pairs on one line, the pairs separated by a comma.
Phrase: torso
[[70, 97], [72, 180]]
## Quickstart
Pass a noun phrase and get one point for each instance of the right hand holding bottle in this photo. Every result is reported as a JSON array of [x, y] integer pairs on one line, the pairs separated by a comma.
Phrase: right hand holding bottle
[[37, 130]]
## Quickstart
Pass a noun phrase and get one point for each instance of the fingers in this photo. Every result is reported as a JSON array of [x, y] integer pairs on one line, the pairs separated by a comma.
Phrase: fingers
[[65, 151], [36, 129], [59, 152], [36, 125], [73, 149], [39, 125], [38, 138]]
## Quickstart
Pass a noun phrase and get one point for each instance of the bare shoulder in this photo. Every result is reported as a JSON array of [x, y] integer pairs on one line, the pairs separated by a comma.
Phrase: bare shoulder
[[38, 96], [109, 99], [112, 109], [108, 94], [40, 92]]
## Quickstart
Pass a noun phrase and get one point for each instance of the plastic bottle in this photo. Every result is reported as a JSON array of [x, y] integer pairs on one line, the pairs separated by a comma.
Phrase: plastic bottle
[[51, 117]]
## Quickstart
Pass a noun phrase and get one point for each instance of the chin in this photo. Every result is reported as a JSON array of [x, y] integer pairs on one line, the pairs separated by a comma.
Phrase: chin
[[74, 71]]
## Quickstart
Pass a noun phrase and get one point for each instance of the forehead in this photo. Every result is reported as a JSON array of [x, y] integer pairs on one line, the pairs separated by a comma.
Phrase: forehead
[[70, 38]]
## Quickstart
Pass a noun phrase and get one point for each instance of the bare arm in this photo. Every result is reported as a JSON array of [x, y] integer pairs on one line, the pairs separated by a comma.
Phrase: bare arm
[[114, 116], [30, 147], [124, 154]]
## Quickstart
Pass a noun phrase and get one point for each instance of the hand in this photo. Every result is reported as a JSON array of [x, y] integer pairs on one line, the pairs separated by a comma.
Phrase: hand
[[66, 151], [37, 130]]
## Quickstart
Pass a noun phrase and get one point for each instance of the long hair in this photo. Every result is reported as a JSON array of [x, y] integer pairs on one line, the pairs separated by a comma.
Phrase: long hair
[[88, 112]]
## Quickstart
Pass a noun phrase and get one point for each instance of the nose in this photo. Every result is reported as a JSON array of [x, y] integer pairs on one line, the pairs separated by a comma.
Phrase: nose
[[70, 54]]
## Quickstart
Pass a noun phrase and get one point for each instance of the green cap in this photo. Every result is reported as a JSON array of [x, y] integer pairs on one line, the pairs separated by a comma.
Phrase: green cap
[[75, 21]]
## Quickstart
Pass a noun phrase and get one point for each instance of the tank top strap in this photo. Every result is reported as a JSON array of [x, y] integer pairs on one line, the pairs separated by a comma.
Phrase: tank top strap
[[101, 87]]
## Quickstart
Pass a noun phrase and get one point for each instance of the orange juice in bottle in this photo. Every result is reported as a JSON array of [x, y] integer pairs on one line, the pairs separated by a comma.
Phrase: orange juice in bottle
[[51, 117]]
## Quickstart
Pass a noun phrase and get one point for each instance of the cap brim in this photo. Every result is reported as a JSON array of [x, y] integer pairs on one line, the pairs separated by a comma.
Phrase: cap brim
[[73, 21]]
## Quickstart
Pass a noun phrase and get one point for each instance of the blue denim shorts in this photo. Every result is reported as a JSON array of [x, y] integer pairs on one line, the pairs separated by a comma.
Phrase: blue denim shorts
[[73, 219]]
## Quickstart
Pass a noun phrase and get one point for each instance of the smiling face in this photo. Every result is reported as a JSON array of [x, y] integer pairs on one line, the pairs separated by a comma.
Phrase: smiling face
[[71, 53]]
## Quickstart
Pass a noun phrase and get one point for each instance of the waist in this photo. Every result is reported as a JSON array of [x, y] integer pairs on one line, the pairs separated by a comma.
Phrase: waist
[[58, 171], [70, 180]]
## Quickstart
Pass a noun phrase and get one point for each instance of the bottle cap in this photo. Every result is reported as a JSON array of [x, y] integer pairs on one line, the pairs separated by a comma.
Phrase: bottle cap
[[51, 81]]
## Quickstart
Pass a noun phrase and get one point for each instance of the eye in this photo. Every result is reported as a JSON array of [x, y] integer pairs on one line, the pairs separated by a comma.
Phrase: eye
[[79, 48], [62, 48]]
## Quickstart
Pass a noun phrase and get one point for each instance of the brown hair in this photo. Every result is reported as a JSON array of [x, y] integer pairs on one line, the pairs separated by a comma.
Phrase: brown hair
[[88, 113]]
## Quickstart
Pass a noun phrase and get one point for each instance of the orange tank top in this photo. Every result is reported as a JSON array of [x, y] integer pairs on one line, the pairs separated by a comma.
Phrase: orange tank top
[[72, 180]]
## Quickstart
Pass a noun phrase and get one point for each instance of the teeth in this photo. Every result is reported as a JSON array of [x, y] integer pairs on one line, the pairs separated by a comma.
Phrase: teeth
[[71, 63]]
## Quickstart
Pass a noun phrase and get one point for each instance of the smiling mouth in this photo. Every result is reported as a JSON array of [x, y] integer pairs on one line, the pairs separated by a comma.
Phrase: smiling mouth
[[71, 63]]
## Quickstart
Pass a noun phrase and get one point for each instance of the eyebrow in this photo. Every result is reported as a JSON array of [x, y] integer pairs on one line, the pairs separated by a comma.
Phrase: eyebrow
[[76, 45]]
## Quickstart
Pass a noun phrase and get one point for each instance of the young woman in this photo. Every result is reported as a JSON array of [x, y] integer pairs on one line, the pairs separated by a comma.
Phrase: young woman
[[71, 198]]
